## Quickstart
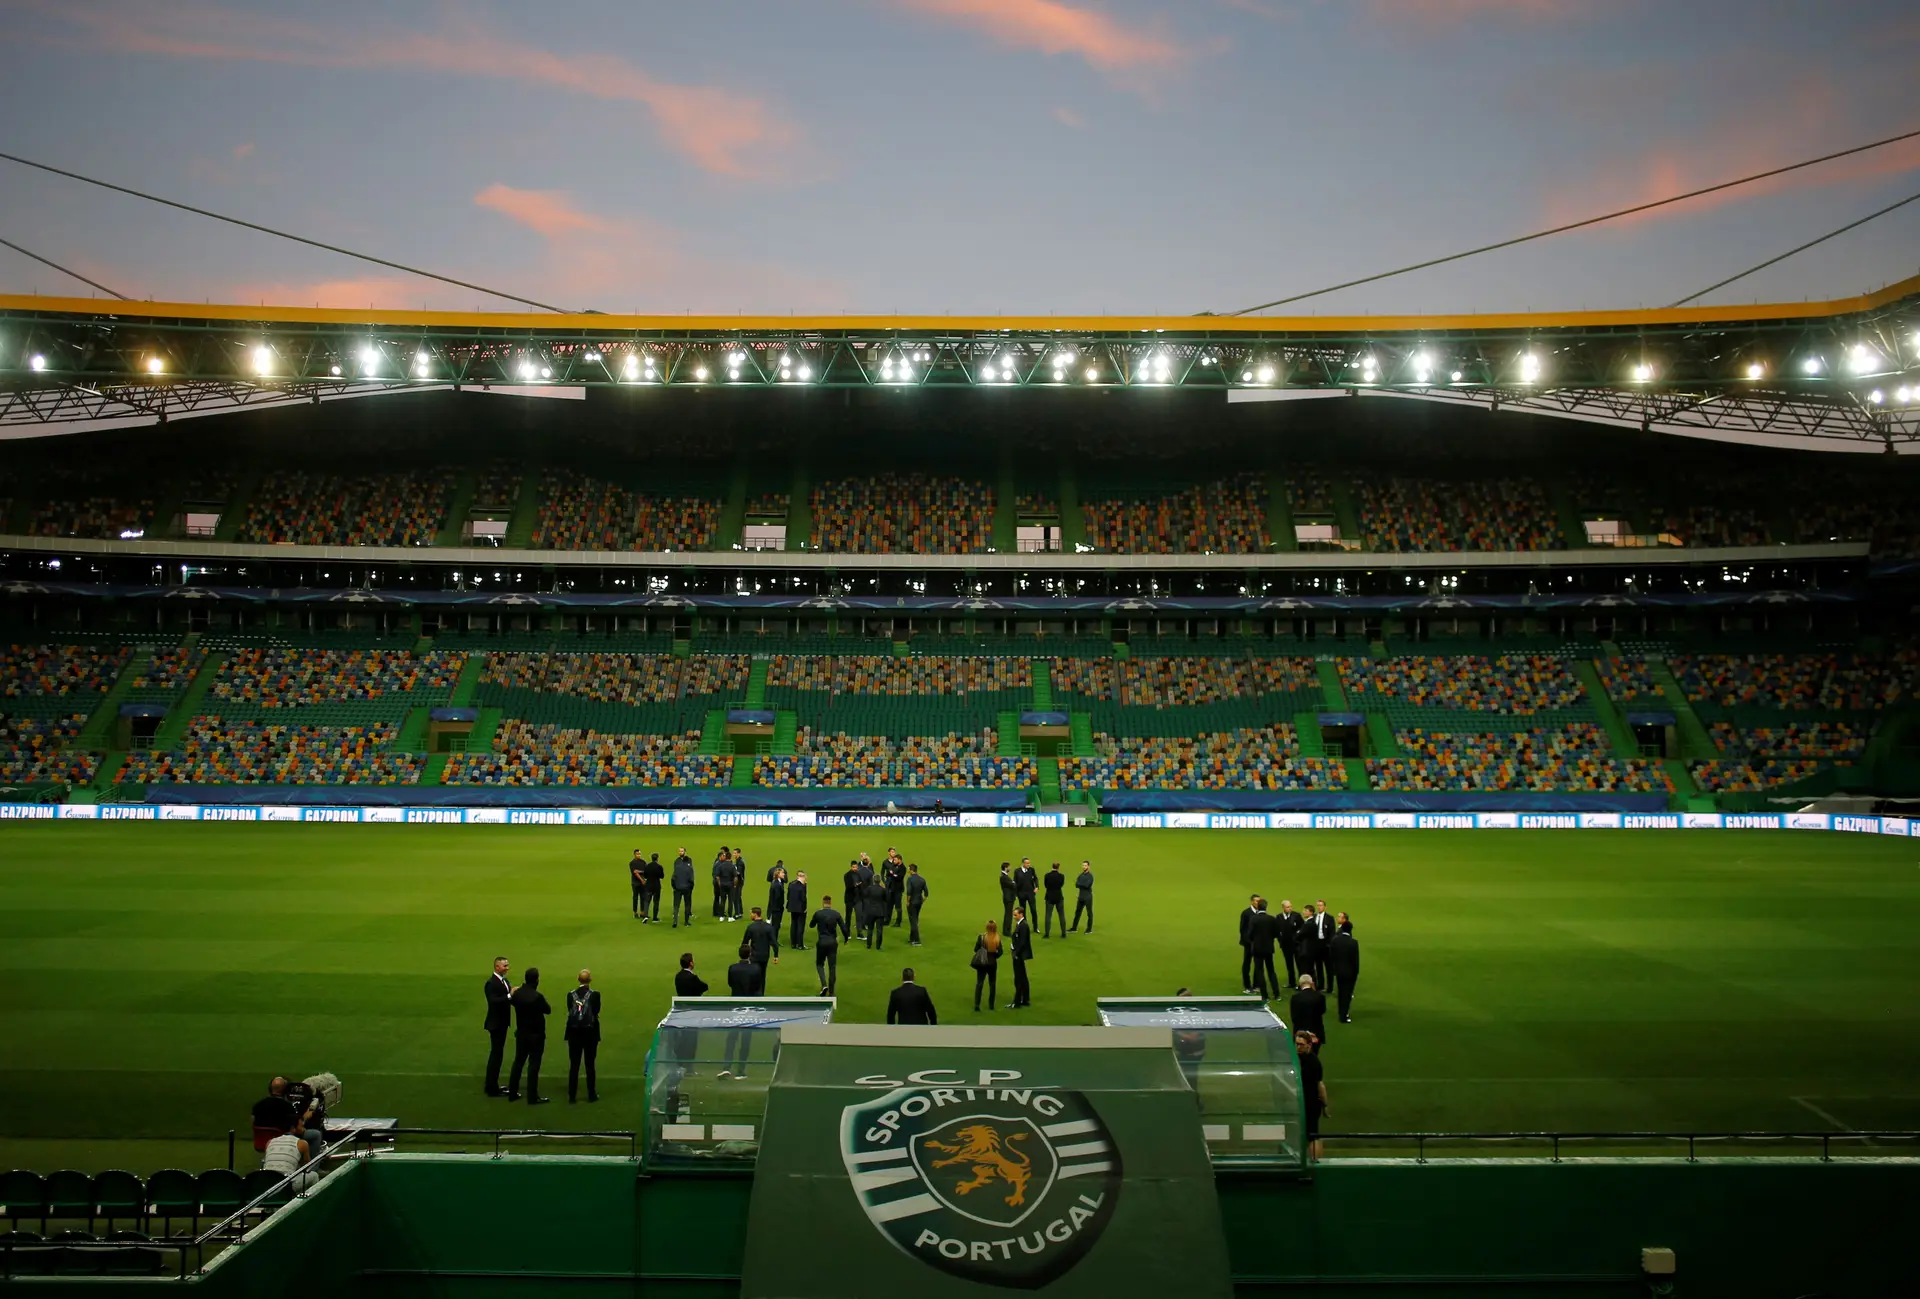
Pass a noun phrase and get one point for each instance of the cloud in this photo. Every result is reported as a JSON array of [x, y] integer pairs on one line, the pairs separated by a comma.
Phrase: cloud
[[719, 130], [1054, 27], [547, 212], [1453, 13], [243, 150], [1068, 118]]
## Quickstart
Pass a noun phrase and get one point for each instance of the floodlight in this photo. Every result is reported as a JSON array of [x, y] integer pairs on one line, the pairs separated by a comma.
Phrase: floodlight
[[1876, 396], [1246, 376], [1006, 372], [1058, 374], [1811, 365], [1093, 373], [592, 356], [1366, 363], [785, 359], [1266, 374], [1862, 359], [369, 357], [545, 373], [1903, 396], [806, 372], [1755, 370], [886, 369], [1422, 361], [526, 370], [701, 374], [632, 368], [155, 365], [1529, 367], [1457, 376], [926, 356], [262, 361], [739, 358], [733, 374], [1642, 372], [38, 362], [334, 370]]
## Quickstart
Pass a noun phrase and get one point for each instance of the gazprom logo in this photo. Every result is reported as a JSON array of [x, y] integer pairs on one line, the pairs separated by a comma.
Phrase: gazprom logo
[[1342, 821]]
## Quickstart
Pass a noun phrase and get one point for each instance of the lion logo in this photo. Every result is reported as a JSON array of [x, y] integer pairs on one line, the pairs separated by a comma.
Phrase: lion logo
[[978, 1146]]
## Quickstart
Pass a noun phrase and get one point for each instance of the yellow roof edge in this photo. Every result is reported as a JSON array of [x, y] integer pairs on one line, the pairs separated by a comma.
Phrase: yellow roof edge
[[547, 322]]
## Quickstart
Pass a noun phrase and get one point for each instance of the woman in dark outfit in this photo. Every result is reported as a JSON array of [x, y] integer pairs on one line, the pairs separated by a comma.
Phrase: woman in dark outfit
[[1313, 1088], [986, 965]]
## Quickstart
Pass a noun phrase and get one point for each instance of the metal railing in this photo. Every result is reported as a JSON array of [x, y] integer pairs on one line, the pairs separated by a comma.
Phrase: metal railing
[[496, 1142], [1558, 1146]]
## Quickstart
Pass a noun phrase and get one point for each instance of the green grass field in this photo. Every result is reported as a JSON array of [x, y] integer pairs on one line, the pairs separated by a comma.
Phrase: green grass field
[[156, 974]]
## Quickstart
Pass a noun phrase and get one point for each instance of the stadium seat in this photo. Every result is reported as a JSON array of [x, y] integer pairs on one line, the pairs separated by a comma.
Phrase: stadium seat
[[222, 1191], [259, 1182], [173, 1193], [129, 1261], [118, 1195], [70, 1195], [25, 1195], [74, 1253]]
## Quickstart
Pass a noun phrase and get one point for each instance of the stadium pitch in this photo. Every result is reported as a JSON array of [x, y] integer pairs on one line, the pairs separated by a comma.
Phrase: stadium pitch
[[157, 974]]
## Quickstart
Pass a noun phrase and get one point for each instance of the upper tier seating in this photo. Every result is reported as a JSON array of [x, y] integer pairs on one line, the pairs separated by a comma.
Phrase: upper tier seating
[[610, 678], [320, 509], [1172, 682], [1425, 515], [1575, 757], [1507, 683], [902, 514], [295, 678], [47, 672], [1827, 681], [1224, 517], [581, 512], [840, 761], [866, 674], [528, 754], [1251, 758], [32, 752], [1629, 681]]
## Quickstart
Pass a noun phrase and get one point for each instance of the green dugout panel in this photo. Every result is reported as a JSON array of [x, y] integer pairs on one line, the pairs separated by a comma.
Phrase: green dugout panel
[[957, 1161]]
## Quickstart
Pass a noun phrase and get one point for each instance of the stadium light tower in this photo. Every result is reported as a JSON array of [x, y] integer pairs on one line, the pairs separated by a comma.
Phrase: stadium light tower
[[263, 360], [155, 365], [1811, 365], [1529, 368], [37, 363], [369, 361], [1642, 372], [1755, 370]]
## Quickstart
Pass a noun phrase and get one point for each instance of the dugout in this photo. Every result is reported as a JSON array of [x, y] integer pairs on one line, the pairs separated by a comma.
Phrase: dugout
[[707, 1076]]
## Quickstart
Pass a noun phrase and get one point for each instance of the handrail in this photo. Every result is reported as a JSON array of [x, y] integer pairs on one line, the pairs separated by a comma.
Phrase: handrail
[[1554, 1139], [363, 1139]]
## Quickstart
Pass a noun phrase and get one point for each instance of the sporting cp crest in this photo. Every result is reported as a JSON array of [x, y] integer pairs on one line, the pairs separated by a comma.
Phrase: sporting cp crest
[[1005, 1186]]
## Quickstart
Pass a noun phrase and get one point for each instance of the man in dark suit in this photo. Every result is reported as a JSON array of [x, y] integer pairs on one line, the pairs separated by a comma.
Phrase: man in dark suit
[[1289, 942], [1022, 953], [1056, 901], [499, 1018], [829, 927], [1307, 1011], [1262, 932], [745, 978], [583, 1037], [916, 891], [724, 875], [1083, 886], [1309, 953], [1343, 963], [850, 894], [893, 873], [910, 1003], [874, 898], [776, 900], [682, 887], [530, 1011], [1323, 929], [1246, 954], [1026, 886], [1007, 897], [761, 940], [638, 872], [797, 908], [686, 983], [654, 873]]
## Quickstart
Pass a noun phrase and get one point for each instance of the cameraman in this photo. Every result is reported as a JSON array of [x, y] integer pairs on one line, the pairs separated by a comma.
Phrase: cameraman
[[290, 1108]]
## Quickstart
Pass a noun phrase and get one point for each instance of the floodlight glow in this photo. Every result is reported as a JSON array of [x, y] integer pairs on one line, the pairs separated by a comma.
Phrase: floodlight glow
[[262, 361], [1903, 396], [1862, 359], [1457, 376], [1422, 361], [886, 369], [335, 371], [1811, 365], [369, 357], [785, 359], [806, 372], [421, 358], [155, 365], [1876, 396], [1093, 373], [701, 374], [591, 356], [421, 371], [545, 373], [1642, 372], [1266, 374], [1246, 376], [733, 375], [1756, 370], [1529, 367], [1058, 374], [632, 368], [526, 370], [38, 363]]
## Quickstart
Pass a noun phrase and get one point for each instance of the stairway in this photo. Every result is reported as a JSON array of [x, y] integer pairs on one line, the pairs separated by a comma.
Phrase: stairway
[[1007, 732], [1306, 730], [1695, 743], [526, 513], [1042, 686], [97, 731], [459, 504], [1357, 781], [1333, 693], [786, 732], [467, 683], [757, 684], [1611, 720], [174, 728], [234, 512], [1080, 734]]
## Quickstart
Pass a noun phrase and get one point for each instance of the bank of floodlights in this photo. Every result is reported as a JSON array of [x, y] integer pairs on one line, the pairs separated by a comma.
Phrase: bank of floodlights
[[1862, 359], [369, 361], [1530, 367], [422, 365], [263, 360], [1422, 366]]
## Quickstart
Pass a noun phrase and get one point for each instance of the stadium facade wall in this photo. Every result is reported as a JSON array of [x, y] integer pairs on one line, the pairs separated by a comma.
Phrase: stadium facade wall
[[478, 1227]]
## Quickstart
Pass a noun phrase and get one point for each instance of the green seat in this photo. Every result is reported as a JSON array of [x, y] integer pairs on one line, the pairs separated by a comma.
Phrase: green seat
[[74, 1252], [130, 1261], [25, 1195], [259, 1182], [70, 1195], [173, 1193], [118, 1195], [222, 1191]]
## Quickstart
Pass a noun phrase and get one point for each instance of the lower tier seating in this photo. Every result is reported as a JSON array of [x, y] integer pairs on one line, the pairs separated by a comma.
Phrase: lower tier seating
[[840, 761], [222, 751], [525, 753], [1575, 757], [1250, 758]]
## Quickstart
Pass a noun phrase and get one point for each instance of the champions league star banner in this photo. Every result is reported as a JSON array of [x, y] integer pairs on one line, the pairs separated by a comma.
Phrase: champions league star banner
[[939, 1162]]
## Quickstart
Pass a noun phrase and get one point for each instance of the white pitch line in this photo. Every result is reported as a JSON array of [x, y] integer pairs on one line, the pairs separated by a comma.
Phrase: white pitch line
[[1815, 1109]]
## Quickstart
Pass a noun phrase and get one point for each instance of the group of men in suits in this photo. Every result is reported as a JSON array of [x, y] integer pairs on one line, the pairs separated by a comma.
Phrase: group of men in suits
[[1021, 886], [524, 1008], [1317, 945]]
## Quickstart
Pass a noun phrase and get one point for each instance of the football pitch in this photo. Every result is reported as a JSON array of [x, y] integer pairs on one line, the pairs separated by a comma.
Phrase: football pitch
[[157, 974]]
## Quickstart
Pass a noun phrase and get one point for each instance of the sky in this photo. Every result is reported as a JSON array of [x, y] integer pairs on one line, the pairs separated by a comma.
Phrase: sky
[[947, 156]]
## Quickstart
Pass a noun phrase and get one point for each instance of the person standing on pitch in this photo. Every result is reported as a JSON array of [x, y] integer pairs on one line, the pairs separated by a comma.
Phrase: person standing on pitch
[[829, 927], [682, 888], [761, 940], [1246, 953], [1313, 1089], [851, 894], [1262, 931], [739, 882], [530, 1011], [1022, 953], [776, 901], [1083, 886], [1307, 1011], [1343, 963], [499, 992], [583, 1037], [724, 873], [874, 894], [745, 978], [910, 1003], [1308, 954], [986, 965], [653, 872], [1026, 886], [1323, 931], [1056, 901], [686, 983], [637, 870], [797, 908], [894, 875], [916, 891], [1289, 941], [1007, 894]]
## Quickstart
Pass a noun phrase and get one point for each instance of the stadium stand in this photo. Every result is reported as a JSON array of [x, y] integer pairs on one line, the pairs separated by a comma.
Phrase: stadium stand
[[840, 761], [1401, 513], [1249, 758], [1569, 758], [1225, 516], [526, 753], [1630, 682], [581, 512], [1828, 680], [86, 503], [890, 513], [221, 751], [325, 509], [33, 750], [1514, 684], [299, 678], [609, 678]]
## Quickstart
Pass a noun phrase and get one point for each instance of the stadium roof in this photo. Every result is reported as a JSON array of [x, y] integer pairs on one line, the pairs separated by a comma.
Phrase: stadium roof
[[1845, 371]]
